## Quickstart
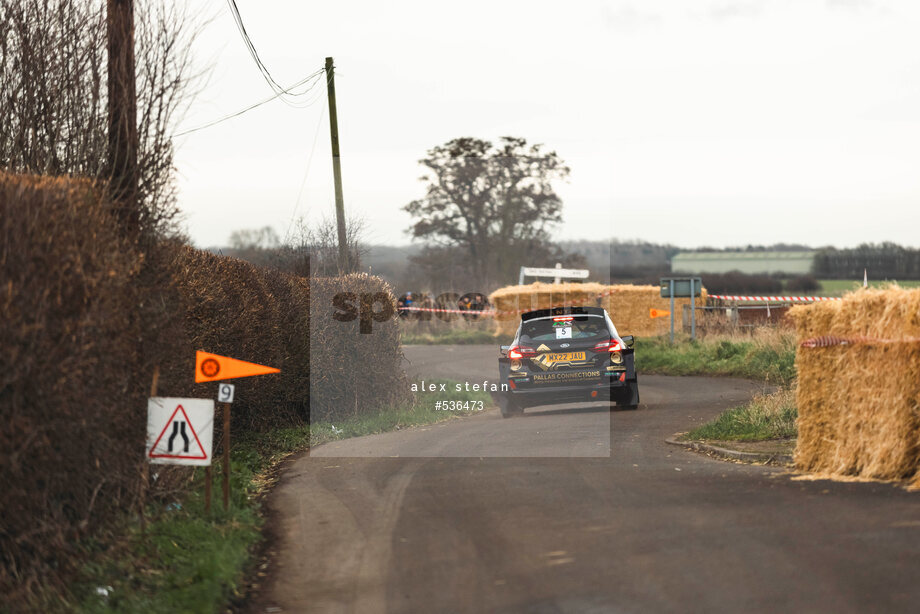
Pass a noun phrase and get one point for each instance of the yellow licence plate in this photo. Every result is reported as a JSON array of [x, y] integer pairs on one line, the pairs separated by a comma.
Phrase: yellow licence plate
[[565, 357]]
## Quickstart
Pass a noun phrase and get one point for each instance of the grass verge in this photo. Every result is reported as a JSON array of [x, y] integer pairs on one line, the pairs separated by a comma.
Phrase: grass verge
[[190, 561], [421, 411], [187, 560], [767, 355], [767, 416], [455, 332], [453, 336]]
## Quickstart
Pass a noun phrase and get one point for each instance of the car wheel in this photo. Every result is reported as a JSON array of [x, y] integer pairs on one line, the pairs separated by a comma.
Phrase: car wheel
[[509, 407], [628, 397]]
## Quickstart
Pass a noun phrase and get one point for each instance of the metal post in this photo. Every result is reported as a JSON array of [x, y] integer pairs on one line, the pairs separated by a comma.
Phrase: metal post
[[692, 309], [558, 279], [672, 311], [521, 277]]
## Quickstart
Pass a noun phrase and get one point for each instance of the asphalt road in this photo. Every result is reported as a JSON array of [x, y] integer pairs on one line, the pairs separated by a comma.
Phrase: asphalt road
[[534, 520]]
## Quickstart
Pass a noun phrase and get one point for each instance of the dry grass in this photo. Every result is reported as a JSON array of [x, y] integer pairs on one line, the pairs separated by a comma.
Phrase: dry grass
[[859, 405]]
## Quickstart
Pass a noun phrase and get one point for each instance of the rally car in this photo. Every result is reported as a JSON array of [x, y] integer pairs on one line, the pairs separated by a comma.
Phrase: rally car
[[567, 355]]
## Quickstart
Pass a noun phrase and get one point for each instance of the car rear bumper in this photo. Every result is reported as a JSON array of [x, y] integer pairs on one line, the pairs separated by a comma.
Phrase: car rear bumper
[[551, 394]]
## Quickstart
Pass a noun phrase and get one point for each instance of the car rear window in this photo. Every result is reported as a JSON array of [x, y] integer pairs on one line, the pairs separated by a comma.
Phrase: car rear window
[[583, 327]]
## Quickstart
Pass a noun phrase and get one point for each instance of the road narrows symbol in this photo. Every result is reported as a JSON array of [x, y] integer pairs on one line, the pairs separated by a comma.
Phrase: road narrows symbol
[[179, 423], [178, 427]]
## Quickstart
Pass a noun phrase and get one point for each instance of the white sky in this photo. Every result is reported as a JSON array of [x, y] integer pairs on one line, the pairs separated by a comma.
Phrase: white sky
[[690, 122]]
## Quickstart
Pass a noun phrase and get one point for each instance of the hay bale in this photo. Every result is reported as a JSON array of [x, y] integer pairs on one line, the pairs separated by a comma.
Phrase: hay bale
[[628, 305], [510, 301], [859, 404]]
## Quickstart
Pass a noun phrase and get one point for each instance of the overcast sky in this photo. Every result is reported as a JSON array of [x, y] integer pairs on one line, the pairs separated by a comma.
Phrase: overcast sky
[[690, 122]]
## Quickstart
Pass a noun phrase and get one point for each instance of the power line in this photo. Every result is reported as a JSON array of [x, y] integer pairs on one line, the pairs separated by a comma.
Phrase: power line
[[254, 54], [303, 181], [315, 76], [235, 11]]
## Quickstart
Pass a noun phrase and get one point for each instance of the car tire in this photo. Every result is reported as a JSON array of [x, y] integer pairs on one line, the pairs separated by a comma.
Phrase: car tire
[[628, 397], [509, 407]]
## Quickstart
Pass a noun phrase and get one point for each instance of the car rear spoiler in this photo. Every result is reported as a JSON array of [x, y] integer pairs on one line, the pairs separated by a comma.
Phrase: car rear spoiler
[[562, 311]]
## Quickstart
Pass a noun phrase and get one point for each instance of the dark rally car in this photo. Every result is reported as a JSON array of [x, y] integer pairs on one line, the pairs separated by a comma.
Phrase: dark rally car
[[567, 355]]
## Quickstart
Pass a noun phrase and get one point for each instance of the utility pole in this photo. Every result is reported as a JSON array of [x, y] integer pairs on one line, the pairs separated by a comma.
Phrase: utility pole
[[344, 265], [122, 110]]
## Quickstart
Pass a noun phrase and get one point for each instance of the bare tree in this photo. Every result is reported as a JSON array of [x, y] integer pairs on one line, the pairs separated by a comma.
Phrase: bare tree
[[496, 202], [321, 244], [54, 96], [307, 250], [257, 238]]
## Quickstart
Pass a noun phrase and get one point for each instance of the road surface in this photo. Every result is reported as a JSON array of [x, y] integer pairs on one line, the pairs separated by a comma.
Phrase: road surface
[[548, 526]]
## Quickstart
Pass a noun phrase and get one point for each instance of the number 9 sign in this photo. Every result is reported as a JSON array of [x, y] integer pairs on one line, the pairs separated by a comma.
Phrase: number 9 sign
[[225, 393]]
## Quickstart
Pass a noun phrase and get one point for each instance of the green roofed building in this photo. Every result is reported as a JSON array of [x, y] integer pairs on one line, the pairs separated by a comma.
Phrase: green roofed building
[[752, 263]]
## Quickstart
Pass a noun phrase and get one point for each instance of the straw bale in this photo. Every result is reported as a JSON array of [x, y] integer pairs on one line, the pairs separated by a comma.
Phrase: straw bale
[[628, 305], [859, 404]]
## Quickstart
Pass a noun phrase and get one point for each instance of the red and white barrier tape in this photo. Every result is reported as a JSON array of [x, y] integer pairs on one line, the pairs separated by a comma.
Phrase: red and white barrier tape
[[723, 297], [831, 340], [439, 310], [774, 299], [493, 313]]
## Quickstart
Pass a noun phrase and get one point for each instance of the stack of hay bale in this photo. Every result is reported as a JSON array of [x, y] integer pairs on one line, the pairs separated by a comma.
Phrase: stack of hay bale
[[627, 305], [859, 390]]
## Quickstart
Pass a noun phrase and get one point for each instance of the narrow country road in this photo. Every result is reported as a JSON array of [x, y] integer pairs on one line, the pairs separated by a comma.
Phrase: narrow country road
[[577, 509]]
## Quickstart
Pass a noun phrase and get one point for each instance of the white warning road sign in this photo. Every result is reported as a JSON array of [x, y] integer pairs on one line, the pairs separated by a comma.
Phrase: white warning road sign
[[179, 431]]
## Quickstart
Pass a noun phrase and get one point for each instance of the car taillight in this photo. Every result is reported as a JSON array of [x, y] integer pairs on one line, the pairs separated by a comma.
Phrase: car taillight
[[611, 345], [521, 351]]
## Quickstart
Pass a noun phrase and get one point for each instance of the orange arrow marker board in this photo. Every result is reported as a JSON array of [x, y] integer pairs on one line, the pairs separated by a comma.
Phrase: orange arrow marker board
[[658, 313], [212, 367]]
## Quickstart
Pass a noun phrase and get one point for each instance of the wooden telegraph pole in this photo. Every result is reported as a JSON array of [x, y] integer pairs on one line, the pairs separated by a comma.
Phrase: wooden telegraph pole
[[344, 265], [122, 110]]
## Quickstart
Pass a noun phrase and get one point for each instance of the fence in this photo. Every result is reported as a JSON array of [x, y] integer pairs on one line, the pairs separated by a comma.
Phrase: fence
[[720, 318]]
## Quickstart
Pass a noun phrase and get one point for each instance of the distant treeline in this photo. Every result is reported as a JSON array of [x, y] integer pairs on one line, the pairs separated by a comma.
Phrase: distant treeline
[[414, 268], [776, 247], [885, 260]]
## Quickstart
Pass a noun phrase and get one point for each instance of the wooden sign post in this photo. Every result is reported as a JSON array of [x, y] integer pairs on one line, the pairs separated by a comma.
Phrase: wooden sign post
[[211, 368]]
